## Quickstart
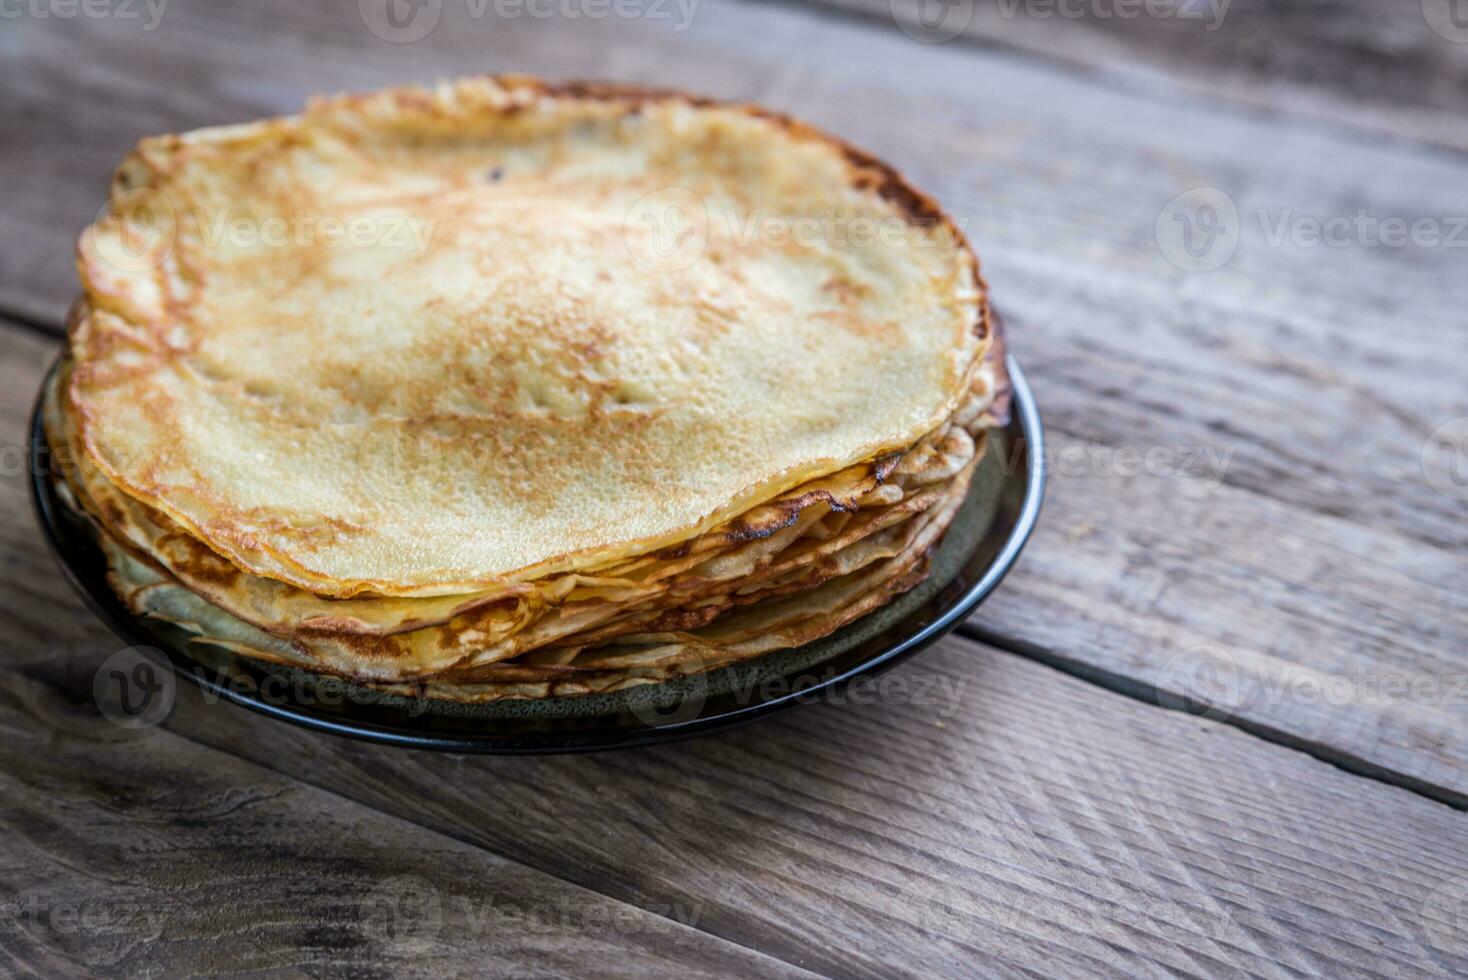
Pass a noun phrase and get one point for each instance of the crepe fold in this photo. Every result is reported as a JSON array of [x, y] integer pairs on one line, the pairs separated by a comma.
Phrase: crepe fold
[[531, 455]]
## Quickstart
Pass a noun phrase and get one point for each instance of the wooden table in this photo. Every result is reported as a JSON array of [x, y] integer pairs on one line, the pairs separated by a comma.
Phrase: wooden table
[[1247, 514]]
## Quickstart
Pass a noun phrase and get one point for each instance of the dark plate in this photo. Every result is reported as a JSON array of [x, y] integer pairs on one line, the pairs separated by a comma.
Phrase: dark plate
[[978, 549]]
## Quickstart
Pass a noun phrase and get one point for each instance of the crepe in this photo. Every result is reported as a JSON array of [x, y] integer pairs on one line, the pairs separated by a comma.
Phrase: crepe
[[352, 416], [408, 637], [859, 581], [547, 446]]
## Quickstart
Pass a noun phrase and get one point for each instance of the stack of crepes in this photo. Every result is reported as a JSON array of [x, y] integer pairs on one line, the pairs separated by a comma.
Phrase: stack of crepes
[[505, 389]]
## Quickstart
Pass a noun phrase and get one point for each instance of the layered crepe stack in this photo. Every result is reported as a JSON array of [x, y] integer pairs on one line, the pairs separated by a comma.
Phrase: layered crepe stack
[[511, 390]]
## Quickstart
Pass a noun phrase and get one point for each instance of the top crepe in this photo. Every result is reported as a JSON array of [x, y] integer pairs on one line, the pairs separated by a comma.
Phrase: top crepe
[[423, 342]]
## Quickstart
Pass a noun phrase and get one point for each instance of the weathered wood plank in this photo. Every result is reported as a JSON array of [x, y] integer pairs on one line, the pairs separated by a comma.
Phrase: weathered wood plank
[[979, 810], [1266, 586], [1396, 67], [133, 853], [1308, 544], [81, 98], [37, 617]]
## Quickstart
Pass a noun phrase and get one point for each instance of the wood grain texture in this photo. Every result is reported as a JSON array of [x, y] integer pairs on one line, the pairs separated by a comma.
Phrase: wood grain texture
[[37, 616], [1278, 554], [1286, 398], [140, 853], [1377, 65], [980, 812]]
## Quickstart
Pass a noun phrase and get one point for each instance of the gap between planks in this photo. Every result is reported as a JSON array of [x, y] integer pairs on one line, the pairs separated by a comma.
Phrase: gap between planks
[[1130, 687], [24, 322]]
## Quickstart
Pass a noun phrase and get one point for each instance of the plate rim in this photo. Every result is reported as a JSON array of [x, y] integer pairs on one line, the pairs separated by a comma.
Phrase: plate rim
[[126, 626]]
